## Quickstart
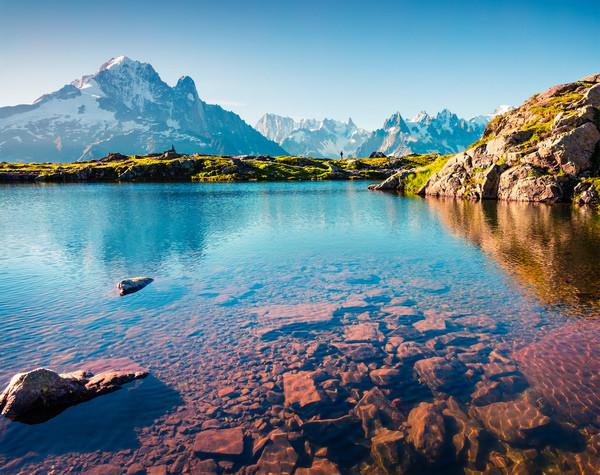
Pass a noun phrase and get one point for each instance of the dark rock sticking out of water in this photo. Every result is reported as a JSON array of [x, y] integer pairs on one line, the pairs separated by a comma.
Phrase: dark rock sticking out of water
[[129, 286], [41, 394]]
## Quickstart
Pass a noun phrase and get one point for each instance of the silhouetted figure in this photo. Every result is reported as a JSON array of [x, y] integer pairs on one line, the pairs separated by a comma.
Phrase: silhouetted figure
[[172, 148], [342, 155]]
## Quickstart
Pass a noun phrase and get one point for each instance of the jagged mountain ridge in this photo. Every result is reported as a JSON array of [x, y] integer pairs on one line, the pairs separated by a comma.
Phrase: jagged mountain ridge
[[124, 107], [444, 133], [311, 137]]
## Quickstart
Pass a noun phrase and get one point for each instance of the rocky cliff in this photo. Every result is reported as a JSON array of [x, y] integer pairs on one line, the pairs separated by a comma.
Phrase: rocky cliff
[[547, 150]]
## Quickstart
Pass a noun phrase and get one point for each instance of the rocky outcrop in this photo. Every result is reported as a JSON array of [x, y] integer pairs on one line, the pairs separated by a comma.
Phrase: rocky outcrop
[[41, 394], [541, 151]]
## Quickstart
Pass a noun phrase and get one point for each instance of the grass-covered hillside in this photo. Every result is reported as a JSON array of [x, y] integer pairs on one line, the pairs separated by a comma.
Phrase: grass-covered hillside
[[172, 167]]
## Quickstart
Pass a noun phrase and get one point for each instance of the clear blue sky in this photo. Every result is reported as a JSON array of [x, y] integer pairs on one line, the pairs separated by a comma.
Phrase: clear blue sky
[[315, 59]]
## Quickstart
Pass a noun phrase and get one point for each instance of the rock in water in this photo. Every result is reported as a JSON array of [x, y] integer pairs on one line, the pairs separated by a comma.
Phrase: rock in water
[[427, 431], [129, 286], [40, 394], [224, 442]]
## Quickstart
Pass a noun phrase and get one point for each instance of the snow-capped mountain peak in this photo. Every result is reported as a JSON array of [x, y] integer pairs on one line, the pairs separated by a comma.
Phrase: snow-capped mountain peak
[[124, 106], [501, 110], [311, 137], [115, 62], [443, 133], [420, 117]]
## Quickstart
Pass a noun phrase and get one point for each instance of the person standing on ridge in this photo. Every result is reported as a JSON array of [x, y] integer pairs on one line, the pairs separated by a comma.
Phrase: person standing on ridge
[[342, 155]]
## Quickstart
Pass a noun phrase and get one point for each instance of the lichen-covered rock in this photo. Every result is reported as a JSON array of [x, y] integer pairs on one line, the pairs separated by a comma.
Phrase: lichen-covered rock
[[585, 194], [40, 394], [528, 183], [129, 286]]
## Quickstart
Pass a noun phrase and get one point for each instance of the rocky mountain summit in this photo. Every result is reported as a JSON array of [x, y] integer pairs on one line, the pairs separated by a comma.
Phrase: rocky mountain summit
[[443, 133], [124, 106], [547, 150]]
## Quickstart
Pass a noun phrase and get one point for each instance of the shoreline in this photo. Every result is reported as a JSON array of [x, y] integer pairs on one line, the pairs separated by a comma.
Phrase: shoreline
[[174, 167]]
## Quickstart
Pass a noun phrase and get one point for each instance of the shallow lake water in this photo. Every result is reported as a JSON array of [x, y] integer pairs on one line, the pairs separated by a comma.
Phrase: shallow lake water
[[324, 325]]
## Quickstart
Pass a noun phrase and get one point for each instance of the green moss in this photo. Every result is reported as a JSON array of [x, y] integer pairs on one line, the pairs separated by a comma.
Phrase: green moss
[[212, 168], [544, 115], [372, 175], [416, 180]]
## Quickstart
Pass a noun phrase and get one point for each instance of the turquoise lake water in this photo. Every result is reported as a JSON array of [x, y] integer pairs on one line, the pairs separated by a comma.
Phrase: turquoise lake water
[[250, 276]]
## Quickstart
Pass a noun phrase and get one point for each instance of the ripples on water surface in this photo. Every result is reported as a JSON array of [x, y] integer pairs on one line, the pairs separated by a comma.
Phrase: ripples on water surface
[[488, 311]]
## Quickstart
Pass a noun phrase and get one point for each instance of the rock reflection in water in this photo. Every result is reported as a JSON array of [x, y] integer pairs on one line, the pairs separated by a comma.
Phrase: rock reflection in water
[[552, 252]]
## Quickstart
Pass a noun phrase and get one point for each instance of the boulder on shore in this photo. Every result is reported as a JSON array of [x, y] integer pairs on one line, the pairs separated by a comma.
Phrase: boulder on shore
[[41, 394], [129, 286]]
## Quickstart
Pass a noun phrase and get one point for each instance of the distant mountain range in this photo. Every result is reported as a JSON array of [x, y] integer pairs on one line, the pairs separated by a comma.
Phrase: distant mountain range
[[444, 133], [312, 138], [124, 107]]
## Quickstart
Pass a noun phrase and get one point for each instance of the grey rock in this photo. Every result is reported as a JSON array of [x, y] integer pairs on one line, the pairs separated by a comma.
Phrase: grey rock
[[528, 183]]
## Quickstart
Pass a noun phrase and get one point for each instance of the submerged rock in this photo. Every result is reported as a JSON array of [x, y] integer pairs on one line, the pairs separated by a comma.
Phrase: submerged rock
[[129, 286], [319, 467], [278, 456], [300, 389], [440, 374], [391, 452], [513, 421], [427, 431], [468, 434], [41, 394], [225, 442], [376, 412]]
